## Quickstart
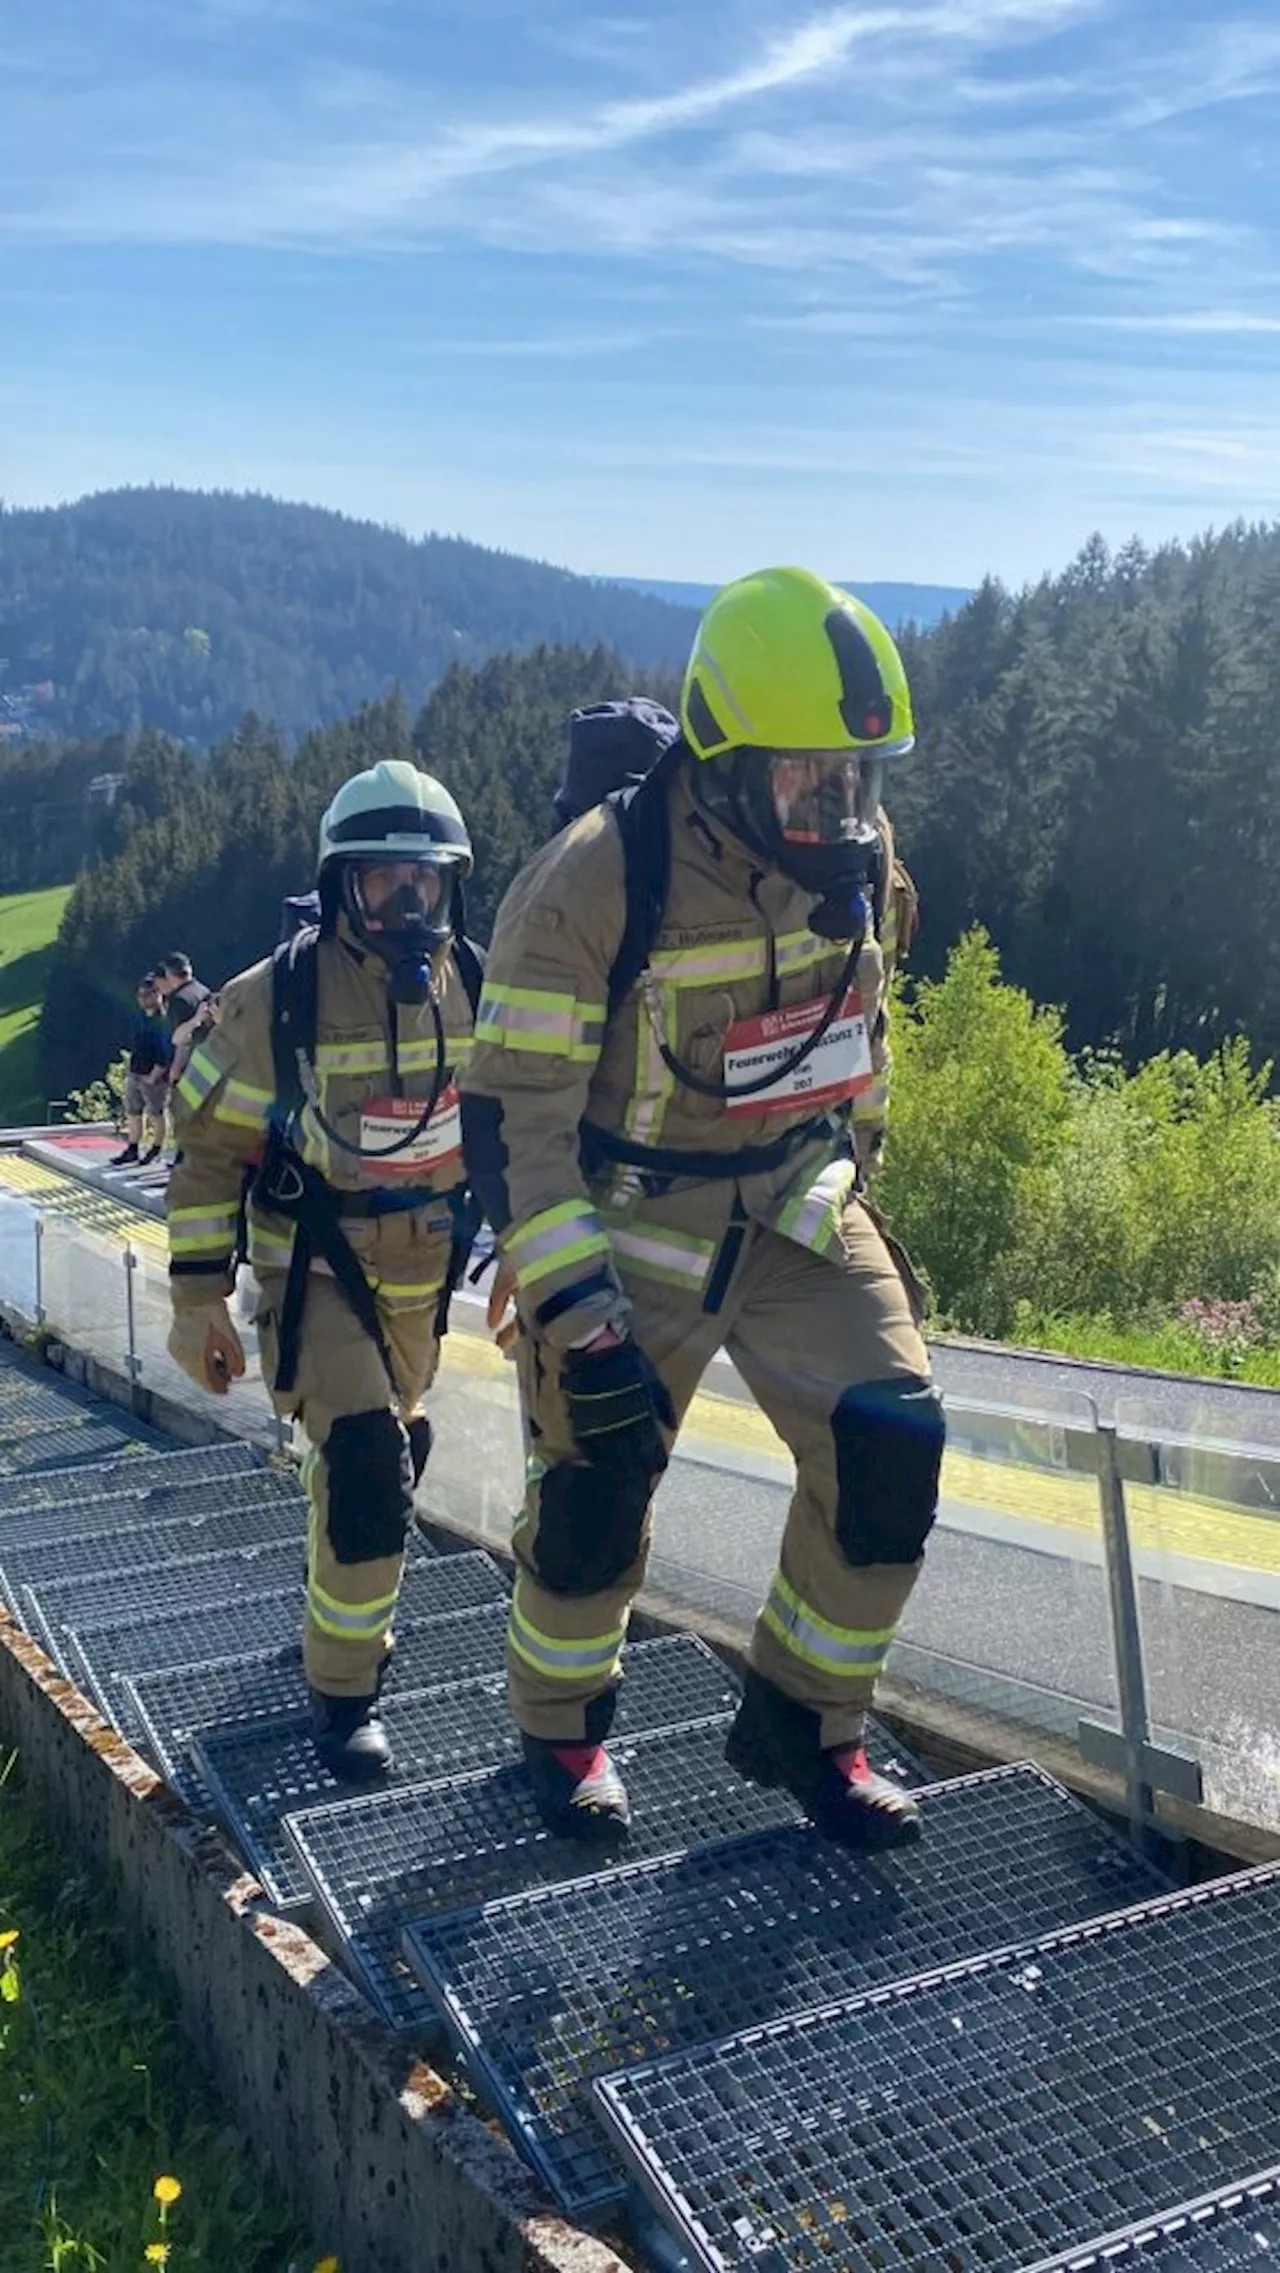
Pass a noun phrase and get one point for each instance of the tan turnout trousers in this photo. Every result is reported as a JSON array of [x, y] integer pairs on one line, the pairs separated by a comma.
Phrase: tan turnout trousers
[[803, 1329], [358, 1472]]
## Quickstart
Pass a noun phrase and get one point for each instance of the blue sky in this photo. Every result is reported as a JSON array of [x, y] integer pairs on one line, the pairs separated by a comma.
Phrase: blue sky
[[914, 288]]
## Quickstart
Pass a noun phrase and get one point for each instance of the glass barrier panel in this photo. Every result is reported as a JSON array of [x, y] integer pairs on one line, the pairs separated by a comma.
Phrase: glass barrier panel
[[247, 1409], [83, 1290], [475, 1476], [1204, 1518], [19, 1267], [1012, 1612]]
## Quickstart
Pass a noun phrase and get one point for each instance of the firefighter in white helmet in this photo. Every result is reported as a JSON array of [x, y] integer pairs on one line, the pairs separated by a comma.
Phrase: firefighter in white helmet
[[330, 1081]]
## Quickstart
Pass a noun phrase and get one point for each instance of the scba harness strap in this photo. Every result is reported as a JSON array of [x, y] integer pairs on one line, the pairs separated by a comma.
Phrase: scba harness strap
[[288, 1186]]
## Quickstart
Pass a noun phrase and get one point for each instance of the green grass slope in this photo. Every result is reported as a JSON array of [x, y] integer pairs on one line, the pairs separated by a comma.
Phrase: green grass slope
[[28, 927]]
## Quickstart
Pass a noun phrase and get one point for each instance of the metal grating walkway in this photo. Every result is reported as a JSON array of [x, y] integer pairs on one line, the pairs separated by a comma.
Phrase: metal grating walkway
[[262, 1771], [546, 1990], [1234, 2230], [97, 1655], [377, 1864], [117, 1598], [65, 1446], [138, 1471], [168, 1709], [90, 1516], [991, 2118], [51, 1561]]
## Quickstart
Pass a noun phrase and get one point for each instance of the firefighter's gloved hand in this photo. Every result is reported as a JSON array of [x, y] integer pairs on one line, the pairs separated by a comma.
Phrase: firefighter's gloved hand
[[617, 1401], [207, 1347]]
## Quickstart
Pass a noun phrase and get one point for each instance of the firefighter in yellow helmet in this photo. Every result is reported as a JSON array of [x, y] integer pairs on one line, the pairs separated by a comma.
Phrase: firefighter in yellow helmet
[[678, 1066], [331, 1079]]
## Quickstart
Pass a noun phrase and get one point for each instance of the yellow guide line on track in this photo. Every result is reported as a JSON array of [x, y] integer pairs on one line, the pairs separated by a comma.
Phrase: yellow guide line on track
[[81, 1204], [1172, 1522]]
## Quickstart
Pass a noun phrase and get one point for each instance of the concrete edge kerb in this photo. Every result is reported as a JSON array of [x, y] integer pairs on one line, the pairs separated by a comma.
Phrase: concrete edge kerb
[[390, 2170]]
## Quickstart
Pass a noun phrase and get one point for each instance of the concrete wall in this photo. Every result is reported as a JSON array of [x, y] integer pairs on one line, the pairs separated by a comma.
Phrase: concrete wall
[[390, 2170]]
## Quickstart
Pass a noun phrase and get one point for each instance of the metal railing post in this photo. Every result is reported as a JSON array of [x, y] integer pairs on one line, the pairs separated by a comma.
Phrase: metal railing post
[[133, 1362], [39, 1269], [1147, 1767], [1126, 1628]]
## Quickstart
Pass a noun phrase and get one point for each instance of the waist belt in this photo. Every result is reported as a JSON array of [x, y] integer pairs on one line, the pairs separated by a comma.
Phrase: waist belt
[[599, 1148], [383, 1202]]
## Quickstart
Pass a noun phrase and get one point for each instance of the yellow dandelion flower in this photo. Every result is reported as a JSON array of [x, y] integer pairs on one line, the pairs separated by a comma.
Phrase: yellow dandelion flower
[[157, 2253], [8, 1938], [167, 2190], [328, 2265]]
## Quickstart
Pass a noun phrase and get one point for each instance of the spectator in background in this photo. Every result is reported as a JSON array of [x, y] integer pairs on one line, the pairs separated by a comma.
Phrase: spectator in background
[[146, 1093], [185, 999]]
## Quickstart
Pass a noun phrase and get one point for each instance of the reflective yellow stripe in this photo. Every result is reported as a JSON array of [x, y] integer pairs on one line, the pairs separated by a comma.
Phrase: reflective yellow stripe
[[244, 1105], [587, 1657], [737, 959], [538, 1019], [352, 1057], [351, 1625], [654, 1085], [567, 1233], [203, 1074], [202, 1230], [671, 1257], [811, 1217], [853, 1653], [270, 1249], [872, 1105]]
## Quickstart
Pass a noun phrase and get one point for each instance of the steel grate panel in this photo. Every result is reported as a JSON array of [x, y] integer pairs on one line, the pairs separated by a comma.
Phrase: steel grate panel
[[547, 1990], [51, 1561], [168, 1708], [429, 1603], [39, 1408], [140, 1470], [260, 1773], [1234, 2230], [479, 1835], [124, 1598], [86, 1516], [61, 1448], [1008, 2112], [96, 1659]]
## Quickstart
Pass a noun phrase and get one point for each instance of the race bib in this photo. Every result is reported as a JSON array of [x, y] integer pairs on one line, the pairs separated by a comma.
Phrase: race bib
[[833, 1072], [385, 1120]]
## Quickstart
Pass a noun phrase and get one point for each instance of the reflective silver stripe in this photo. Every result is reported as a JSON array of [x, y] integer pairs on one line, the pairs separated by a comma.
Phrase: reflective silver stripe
[[661, 1254], [811, 1217], [566, 1233], [352, 1057], [851, 1651], [563, 1661]]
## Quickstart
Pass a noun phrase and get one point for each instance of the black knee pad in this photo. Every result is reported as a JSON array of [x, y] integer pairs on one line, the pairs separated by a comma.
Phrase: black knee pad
[[889, 1439], [590, 1524], [370, 1486], [420, 1440]]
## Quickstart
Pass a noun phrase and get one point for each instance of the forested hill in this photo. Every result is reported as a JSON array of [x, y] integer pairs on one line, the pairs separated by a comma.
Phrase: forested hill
[[1096, 782], [182, 610]]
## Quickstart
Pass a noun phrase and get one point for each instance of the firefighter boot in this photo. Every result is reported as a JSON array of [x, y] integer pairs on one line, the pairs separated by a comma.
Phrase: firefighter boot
[[774, 1741], [577, 1790], [349, 1736]]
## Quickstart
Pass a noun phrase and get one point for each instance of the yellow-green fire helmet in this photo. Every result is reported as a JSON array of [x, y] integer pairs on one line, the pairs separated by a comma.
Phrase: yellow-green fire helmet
[[785, 661]]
